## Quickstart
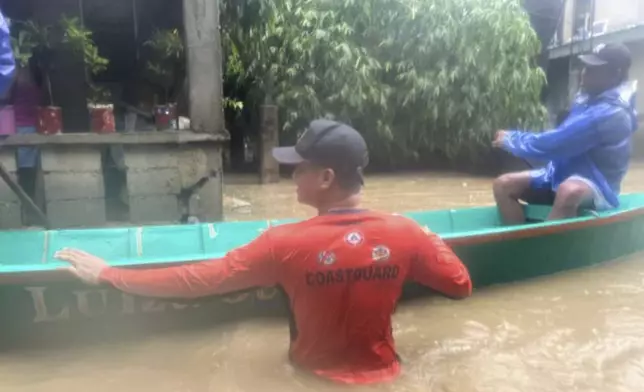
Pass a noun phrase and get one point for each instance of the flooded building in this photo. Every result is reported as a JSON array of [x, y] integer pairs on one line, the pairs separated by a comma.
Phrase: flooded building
[[126, 170]]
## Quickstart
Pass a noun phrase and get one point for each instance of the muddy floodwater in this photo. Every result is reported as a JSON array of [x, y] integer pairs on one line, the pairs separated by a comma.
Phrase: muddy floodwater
[[578, 331]]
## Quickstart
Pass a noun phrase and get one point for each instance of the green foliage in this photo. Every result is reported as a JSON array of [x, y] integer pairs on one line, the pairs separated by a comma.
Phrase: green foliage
[[98, 95], [415, 76], [23, 45], [166, 63], [31, 40], [79, 40], [39, 34], [233, 104], [167, 43]]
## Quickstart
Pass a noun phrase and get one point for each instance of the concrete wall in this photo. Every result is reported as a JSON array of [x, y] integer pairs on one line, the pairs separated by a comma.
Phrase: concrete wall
[[161, 170], [157, 175], [619, 13], [73, 185], [567, 22]]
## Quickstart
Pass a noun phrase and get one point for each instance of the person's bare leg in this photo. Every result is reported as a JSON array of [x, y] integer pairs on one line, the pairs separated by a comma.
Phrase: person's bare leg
[[571, 195], [508, 188]]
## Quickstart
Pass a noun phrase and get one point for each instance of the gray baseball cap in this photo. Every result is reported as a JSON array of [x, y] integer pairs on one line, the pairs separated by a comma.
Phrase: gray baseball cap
[[327, 143], [615, 55]]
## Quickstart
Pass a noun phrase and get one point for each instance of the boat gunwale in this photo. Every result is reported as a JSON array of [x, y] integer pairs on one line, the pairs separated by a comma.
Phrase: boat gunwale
[[507, 233], [545, 228]]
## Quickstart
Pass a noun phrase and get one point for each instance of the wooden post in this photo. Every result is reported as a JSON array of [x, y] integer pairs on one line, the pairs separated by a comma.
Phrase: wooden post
[[205, 98], [203, 42], [269, 138]]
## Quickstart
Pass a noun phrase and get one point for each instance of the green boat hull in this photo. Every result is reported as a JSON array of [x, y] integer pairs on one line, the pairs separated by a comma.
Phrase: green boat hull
[[42, 304]]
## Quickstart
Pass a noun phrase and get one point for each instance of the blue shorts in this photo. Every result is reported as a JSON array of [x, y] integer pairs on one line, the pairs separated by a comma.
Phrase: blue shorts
[[541, 191]]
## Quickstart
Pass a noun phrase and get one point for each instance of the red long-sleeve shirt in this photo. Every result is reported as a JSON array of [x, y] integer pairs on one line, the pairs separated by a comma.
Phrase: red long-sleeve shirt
[[343, 274]]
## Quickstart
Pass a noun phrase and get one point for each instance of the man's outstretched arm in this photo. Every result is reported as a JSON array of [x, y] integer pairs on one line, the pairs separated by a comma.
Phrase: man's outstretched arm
[[246, 267], [572, 138]]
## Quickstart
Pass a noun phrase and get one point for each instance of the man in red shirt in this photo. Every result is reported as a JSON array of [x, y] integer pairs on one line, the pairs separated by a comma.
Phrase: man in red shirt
[[342, 270]]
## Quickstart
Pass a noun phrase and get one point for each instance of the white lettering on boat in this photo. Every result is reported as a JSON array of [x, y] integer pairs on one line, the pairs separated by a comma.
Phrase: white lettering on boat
[[83, 302], [96, 303]]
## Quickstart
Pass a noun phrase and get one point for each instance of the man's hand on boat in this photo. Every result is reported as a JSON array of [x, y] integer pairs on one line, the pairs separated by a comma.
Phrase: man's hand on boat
[[498, 139], [85, 266]]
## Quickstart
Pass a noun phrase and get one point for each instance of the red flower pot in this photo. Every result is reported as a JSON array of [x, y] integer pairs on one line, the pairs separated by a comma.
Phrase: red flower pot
[[165, 117], [102, 118], [50, 120]]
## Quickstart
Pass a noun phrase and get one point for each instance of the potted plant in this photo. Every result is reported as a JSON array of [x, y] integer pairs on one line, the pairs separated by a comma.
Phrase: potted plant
[[34, 41], [100, 109], [79, 39], [166, 69]]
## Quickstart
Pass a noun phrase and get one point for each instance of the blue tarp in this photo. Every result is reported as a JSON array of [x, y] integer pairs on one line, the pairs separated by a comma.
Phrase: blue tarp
[[7, 61]]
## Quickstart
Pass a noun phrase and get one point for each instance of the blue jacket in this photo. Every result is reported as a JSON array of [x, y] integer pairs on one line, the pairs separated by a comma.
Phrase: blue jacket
[[7, 61], [594, 142]]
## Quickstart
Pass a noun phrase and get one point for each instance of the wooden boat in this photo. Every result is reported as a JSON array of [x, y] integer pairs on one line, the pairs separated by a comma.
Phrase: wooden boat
[[41, 302]]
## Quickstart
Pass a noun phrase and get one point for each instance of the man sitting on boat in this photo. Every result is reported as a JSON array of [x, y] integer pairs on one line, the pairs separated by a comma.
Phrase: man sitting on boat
[[342, 270], [588, 153]]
